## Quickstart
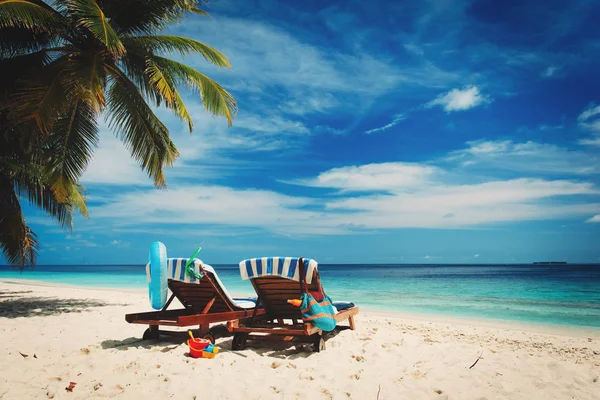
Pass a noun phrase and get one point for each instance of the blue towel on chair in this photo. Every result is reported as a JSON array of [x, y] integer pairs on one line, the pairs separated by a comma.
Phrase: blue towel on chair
[[342, 305]]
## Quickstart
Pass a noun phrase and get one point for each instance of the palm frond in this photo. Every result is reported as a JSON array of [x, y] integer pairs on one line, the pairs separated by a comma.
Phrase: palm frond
[[76, 199], [163, 83], [14, 70], [33, 15], [42, 98], [192, 6], [17, 241], [31, 181], [145, 136], [89, 15], [179, 44], [87, 77], [214, 97], [18, 41], [71, 142], [146, 17]]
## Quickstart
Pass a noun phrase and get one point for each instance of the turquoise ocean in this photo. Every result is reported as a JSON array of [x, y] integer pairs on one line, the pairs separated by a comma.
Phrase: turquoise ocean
[[545, 294]]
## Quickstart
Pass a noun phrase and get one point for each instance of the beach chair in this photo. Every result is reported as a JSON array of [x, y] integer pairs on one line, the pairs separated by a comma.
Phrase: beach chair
[[204, 301], [277, 280]]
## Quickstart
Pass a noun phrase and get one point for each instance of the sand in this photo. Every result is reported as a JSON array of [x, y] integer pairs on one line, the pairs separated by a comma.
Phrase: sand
[[80, 335]]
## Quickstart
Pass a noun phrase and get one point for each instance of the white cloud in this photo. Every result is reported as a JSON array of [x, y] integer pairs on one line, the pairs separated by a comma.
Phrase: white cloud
[[273, 124], [200, 152], [475, 255], [112, 164], [589, 120], [411, 202], [459, 99], [383, 176], [545, 127], [594, 219], [121, 244], [588, 113], [550, 71], [529, 156], [278, 67], [469, 204], [397, 118], [590, 142], [263, 55], [488, 147], [217, 205]]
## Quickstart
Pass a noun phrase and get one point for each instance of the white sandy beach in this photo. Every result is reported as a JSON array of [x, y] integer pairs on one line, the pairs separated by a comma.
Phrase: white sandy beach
[[80, 335]]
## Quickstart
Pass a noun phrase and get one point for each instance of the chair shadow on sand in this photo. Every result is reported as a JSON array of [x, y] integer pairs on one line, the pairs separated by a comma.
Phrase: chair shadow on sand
[[16, 304], [281, 350]]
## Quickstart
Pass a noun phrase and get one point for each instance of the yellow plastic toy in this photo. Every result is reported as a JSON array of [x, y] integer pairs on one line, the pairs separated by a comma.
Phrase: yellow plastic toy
[[201, 348]]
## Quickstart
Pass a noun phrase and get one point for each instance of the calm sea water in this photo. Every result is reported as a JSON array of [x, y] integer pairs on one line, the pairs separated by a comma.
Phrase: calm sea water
[[552, 294]]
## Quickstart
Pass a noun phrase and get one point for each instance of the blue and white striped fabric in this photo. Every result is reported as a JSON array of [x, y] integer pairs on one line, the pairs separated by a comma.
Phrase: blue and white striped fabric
[[285, 267], [176, 269]]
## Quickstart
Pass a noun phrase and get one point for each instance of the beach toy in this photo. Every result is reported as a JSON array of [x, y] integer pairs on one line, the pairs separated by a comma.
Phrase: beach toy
[[201, 348], [158, 285], [188, 266], [295, 302]]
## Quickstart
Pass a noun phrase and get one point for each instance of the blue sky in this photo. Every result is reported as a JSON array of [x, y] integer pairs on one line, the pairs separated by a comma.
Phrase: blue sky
[[384, 132]]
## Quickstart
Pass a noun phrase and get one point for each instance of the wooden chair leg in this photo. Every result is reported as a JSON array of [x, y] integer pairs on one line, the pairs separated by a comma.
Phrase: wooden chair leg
[[351, 322], [203, 328]]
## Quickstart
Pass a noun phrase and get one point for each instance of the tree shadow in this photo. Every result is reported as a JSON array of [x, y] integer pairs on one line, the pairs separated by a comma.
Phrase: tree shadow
[[14, 294], [289, 350], [138, 342], [174, 339], [15, 304], [169, 337]]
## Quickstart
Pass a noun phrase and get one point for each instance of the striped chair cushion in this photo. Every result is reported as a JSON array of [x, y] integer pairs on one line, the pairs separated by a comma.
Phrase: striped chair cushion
[[285, 267], [176, 270]]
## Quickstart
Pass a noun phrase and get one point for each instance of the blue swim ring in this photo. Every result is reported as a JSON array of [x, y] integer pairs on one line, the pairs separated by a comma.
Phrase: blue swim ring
[[158, 286]]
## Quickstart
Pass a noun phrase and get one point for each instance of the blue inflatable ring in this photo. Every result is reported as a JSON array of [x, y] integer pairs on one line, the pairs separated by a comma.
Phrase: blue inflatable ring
[[158, 286]]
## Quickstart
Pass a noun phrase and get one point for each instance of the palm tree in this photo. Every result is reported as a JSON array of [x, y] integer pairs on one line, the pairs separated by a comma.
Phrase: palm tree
[[65, 64]]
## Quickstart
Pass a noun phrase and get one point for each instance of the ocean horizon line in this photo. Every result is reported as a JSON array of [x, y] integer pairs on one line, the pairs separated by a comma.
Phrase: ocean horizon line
[[536, 264]]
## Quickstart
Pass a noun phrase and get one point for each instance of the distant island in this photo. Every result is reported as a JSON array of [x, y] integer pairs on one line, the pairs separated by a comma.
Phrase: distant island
[[549, 262]]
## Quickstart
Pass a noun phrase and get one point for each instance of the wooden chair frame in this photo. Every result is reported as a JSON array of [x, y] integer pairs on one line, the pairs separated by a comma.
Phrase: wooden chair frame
[[282, 321], [204, 303]]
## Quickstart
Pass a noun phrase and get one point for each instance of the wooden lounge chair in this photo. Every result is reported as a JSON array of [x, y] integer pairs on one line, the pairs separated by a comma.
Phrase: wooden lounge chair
[[205, 301], [277, 280]]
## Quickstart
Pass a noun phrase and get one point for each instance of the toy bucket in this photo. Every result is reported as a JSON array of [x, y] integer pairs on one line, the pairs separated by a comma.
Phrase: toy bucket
[[197, 347]]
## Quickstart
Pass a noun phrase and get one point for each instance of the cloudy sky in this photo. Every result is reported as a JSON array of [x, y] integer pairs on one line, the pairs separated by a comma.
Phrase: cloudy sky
[[439, 131]]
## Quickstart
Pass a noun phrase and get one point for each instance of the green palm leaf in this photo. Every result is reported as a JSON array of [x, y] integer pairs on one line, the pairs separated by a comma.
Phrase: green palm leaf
[[16, 41], [71, 142], [164, 84], [42, 98], [89, 15], [216, 99], [33, 15], [31, 181], [139, 128], [17, 241], [182, 45], [76, 199], [143, 16]]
